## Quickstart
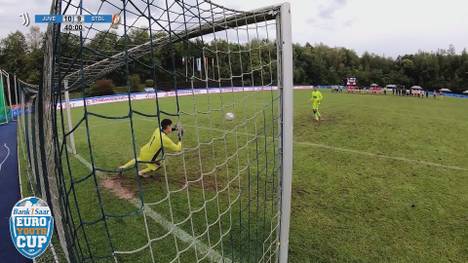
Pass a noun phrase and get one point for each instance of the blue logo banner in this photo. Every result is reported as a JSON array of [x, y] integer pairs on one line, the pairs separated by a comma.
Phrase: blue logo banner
[[98, 18], [48, 19], [31, 226]]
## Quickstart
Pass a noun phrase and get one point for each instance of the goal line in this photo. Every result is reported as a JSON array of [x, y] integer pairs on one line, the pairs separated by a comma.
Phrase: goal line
[[202, 248]]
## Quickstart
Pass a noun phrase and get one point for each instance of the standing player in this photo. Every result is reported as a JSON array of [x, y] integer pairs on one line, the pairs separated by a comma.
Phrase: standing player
[[150, 152], [316, 99]]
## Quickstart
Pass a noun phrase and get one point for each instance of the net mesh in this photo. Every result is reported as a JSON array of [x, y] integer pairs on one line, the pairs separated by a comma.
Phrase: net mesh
[[6, 113], [28, 147], [218, 199], [3, 106]]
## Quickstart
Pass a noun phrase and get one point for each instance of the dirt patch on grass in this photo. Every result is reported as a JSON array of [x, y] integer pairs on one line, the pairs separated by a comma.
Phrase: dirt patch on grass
[[118, 187], [126, 187]]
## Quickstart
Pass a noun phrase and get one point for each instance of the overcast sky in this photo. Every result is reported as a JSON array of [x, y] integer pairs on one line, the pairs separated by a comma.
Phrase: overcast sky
[[389, 27]]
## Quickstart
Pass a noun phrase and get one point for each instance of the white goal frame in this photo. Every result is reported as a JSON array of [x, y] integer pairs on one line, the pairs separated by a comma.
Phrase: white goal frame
[[285, 87], [285, 83]]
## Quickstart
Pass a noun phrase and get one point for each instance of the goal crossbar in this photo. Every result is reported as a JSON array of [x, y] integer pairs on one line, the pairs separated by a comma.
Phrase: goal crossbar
[[99, 69]]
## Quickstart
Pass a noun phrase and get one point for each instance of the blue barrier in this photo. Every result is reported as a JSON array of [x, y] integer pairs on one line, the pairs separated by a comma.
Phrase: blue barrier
[[17, 111], [455, 95]]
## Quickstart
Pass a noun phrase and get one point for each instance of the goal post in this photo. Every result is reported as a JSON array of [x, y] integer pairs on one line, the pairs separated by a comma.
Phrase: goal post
[[286, 88], [69, 116], [224, 75]]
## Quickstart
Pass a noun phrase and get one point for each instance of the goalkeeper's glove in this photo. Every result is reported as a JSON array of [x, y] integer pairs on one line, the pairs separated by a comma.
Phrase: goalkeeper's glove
[[180, 131]]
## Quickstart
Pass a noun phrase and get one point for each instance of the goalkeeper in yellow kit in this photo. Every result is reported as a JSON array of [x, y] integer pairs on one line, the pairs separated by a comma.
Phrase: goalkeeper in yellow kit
[[151, 153], [316, 99]]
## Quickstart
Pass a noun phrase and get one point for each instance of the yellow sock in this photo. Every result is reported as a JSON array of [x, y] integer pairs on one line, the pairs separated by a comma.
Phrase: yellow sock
[[128, 164]]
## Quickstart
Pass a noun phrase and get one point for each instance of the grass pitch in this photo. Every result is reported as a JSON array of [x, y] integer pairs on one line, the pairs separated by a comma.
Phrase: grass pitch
[[361, 192], [352, 207], [222, 190]]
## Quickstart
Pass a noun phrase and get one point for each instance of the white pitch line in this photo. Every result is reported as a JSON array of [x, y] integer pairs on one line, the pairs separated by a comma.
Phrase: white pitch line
[[202, 248], [324, 146], [397, 158], [6, 157], [383, 156], [212, 254]]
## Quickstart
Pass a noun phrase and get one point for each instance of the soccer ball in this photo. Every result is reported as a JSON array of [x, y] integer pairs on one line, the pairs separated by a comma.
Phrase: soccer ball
[[229, 116]]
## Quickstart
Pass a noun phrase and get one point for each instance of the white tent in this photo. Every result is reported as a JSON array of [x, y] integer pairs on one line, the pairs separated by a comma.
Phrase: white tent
[[465, 92], [445, 90], [416, 87]]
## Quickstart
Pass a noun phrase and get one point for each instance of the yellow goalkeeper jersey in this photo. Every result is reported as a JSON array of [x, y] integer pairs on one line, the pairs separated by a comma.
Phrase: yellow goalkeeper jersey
[[316, 97], [151, 150]]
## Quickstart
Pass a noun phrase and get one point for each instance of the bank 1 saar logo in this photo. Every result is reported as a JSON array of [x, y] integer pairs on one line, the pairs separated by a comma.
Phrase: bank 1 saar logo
[[31, 226]]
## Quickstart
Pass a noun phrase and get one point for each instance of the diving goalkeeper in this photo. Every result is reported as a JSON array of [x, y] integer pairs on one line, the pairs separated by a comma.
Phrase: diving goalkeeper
[[316, 99], [151, 153]]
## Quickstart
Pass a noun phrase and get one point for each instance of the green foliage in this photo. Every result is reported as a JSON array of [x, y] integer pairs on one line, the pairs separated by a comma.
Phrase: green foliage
[[149, 83], [135, 83], [321, 64], [14, 53], [102, 87], [313, 64], [23, 55], [104, 43], [70, 44], [138, 36]]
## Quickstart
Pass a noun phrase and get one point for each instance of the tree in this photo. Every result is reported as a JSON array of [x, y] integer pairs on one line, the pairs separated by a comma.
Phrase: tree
[[13, 54], [313, 64], [135, 82]]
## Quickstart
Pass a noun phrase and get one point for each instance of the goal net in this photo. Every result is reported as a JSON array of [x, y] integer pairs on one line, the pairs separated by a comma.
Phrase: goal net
[[222, 76], [4, 111]]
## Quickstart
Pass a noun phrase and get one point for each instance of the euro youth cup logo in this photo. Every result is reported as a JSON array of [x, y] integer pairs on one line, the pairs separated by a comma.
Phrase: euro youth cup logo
[[31, 226]]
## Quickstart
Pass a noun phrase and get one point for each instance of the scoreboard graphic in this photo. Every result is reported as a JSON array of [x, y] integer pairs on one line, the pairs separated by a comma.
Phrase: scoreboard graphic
[[75, 22]]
